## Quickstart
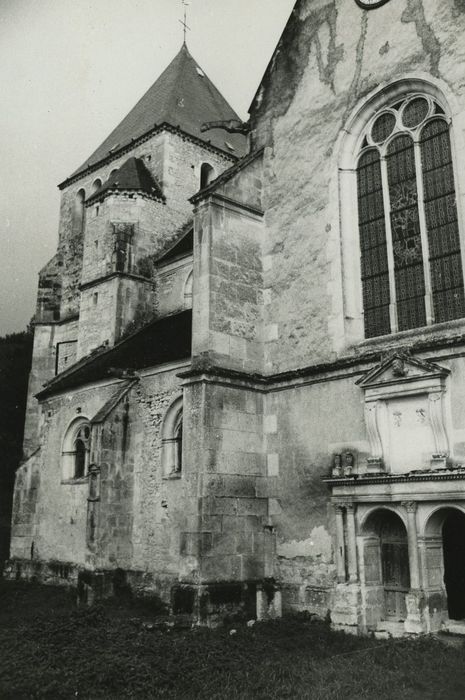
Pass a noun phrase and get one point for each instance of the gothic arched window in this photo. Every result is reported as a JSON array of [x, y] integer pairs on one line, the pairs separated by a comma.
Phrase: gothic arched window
[[207, 175], [76, 450], [172, 442], [411, 264]]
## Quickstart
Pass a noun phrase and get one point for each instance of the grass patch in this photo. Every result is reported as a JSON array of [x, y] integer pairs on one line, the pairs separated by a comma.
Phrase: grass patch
[[50, 649]]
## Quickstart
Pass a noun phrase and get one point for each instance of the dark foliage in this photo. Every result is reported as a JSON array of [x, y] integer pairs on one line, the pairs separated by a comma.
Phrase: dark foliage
[[15, 363], [50, 649]]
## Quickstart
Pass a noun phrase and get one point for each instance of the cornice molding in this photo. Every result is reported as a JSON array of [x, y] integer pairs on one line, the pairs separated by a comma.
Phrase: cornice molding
[[157, 128]]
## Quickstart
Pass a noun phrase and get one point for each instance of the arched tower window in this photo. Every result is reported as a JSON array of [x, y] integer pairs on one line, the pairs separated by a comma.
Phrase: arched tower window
[[172, 440], [411, 266], [79, 211], [207, 174], [96, 185], [76, 450]]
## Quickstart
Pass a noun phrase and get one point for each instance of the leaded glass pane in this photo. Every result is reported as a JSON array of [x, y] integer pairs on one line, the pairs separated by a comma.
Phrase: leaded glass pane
[[383, 127], [79, 459], [374, 265], [442, 222], [406, 237], [415, 112]]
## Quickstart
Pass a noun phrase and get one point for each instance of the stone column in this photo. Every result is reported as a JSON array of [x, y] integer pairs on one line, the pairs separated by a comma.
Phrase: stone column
[[416, 623], [351, 543], [413, 553], [340, 549]]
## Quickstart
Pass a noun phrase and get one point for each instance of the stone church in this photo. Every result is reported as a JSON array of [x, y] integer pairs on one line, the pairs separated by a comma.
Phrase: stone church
[[248, 383]]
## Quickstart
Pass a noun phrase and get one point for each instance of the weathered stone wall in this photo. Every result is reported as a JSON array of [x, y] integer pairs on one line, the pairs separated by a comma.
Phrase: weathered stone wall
[[115, 306], [165, 505], [150, 219], [46, 339], [310, 422], [49, 515], [181, 175], [331, 56], [141, 514], [49, 291], [97, 317], [228, 277], [225, 426]]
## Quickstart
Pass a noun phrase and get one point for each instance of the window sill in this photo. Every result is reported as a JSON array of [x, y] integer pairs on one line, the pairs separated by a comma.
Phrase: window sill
[[72, 482], [446, 329], [173, 476]]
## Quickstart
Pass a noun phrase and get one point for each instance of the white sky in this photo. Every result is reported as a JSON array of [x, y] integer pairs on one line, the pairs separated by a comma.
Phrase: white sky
[[70, 70]]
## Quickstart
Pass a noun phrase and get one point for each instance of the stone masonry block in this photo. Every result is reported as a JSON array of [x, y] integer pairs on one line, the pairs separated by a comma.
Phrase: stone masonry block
[[247, 463], [267, 487], [272, 463], [224, 543], [214, 505], [270, 424], [234, 440], [221, 568], [267, 263], [236, 420], [212, 523], [253, 567], [234, 523], [252, 506], [220, 342], [238, 347], [271, 332], [230, 485]]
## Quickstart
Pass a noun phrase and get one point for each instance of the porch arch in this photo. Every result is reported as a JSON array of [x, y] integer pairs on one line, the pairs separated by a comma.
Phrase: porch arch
[[445, 550], [386, 562]]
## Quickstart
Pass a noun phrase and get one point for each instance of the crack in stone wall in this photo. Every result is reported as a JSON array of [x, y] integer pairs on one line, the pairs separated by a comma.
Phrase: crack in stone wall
[[415, 12]]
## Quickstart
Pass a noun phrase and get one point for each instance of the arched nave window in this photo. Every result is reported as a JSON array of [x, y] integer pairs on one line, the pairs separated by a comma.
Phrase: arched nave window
[[76, 450], [411, 267], [172, 443]]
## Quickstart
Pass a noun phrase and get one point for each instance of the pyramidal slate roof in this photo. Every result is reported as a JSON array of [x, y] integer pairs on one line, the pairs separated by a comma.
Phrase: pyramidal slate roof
[[132, 175], [183, 97]]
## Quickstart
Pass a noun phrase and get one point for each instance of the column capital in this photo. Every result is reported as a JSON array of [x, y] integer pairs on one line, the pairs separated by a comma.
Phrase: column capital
[[410, 506], [339, 507]]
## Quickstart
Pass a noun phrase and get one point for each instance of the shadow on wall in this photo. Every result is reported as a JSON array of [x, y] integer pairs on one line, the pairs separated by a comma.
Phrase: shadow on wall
[[15, 364]]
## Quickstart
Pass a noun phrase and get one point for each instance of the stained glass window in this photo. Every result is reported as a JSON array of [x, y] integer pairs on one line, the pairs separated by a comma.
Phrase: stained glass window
[[442, 222], [383, 127], [406, 234], [375, 273], [415, 112], [410, 249]]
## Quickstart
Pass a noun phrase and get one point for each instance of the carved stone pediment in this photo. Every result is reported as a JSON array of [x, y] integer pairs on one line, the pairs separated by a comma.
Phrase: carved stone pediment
[[400, 368], [405, 413]]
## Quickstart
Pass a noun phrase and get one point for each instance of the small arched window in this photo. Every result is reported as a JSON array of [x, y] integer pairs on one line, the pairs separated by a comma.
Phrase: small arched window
[[178, 443], [207, 175], [79, 211], [76, 450], [96, 185], [172, 440], [411, 265]]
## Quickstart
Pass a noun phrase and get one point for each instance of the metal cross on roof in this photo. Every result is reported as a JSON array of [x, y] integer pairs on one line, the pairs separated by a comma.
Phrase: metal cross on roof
[[185, 4]]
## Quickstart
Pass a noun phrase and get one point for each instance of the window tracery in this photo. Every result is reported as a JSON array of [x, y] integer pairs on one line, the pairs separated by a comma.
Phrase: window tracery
[[411, 266]]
